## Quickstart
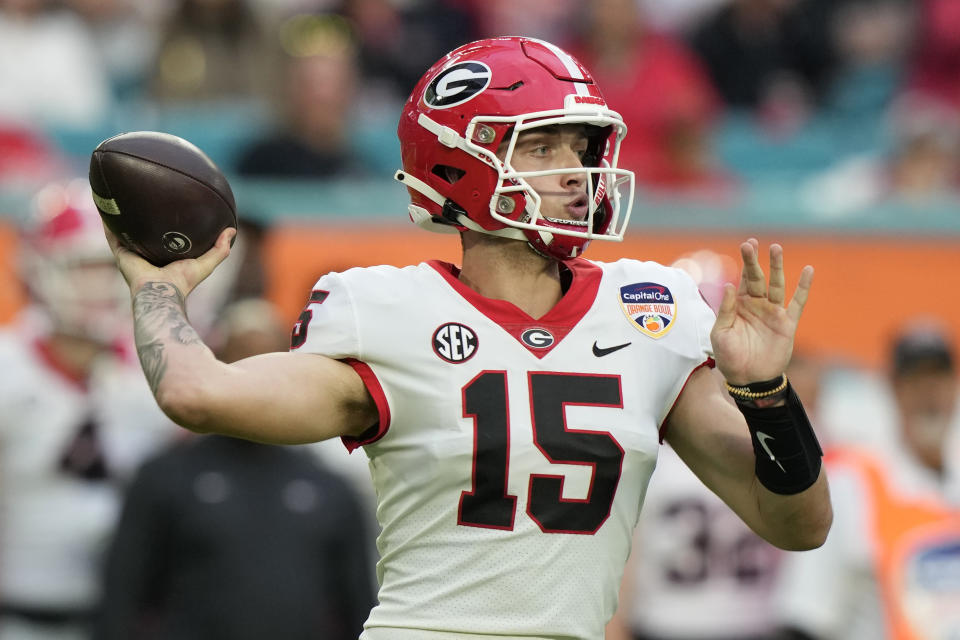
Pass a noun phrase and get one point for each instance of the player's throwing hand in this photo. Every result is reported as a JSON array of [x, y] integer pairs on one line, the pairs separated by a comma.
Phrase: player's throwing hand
[[183, 274]]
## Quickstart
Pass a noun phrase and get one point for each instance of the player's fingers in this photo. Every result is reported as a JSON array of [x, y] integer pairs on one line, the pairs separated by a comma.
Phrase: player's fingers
[[776, 292], [122, 254], [224, 242], [226, 236], [799, 300], [726, 313], [742, 289], [218, 252], [754, 283]]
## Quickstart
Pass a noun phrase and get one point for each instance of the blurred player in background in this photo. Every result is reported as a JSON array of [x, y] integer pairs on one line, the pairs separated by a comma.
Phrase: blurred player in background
[[77, 416], [227, 539], [512, 407], [697, 571], [891, 566]]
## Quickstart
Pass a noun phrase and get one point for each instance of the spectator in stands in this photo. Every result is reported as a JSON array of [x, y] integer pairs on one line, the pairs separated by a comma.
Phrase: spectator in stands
[[211, 50], [772, 57], [935, 65], [317, 100], [126, 37], [397, 40], [889, 568], [51, 74], [871, 39], [545, 19], [925, 165], [678, 16], [662, 90], [226, 539], [920, 171]]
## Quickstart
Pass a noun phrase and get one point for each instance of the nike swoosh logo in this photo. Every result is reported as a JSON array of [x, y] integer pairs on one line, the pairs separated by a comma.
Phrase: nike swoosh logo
[[763, 437], [603, 351]]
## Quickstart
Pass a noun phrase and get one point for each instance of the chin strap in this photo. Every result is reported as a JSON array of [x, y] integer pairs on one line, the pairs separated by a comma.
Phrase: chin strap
[[419, 186], [425, 220]]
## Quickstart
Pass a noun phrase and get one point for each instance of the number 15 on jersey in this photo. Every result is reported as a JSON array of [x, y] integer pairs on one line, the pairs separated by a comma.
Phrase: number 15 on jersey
[[488, 504]]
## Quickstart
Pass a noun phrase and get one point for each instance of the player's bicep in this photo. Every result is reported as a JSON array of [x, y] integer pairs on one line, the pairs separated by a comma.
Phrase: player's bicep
[[291, 398]]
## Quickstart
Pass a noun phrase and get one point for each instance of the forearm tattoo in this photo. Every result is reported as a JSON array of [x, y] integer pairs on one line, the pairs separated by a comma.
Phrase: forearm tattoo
[[159, 317]]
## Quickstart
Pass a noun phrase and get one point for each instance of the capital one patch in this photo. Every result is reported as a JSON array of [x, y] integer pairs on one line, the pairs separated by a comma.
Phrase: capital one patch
[[650, 307]]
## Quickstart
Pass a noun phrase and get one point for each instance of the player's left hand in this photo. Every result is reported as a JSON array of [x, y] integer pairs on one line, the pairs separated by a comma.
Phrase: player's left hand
[[753, 335]]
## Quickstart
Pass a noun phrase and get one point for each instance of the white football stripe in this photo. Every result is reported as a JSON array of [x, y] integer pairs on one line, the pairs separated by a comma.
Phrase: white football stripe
[[107, 205]]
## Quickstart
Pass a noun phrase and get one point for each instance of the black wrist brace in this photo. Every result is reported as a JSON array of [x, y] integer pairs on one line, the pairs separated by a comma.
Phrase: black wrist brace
[[786, 448]]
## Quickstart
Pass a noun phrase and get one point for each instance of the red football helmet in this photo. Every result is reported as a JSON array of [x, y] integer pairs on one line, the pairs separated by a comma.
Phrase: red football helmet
[[68, 267], [474, 103]]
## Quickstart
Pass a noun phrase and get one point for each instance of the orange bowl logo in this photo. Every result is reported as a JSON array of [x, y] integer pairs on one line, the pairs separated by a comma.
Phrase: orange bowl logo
[[650, 307]]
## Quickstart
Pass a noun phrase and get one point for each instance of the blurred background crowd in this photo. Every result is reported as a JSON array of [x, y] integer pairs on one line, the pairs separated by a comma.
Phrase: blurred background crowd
[[830, 125], [721, 96]]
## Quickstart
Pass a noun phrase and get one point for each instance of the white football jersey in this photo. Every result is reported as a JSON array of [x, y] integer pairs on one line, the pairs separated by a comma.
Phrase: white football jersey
[[512, 453], [697, 570], [63, 449]]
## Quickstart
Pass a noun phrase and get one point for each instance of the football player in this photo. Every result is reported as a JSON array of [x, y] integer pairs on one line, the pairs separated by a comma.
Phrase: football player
[[512, 406], [76, 416]]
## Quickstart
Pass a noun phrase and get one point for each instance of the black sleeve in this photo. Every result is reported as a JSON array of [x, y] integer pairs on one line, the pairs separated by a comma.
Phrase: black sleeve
[[132, 576]]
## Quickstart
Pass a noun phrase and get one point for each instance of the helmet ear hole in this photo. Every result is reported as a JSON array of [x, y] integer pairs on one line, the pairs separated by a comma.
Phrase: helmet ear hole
[[448, 173]]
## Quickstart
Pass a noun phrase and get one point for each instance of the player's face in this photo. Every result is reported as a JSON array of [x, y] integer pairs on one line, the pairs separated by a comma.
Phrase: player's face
[[564, 196]]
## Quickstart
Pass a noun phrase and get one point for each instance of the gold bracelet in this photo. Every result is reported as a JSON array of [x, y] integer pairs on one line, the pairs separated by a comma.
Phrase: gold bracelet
[[746, 393]]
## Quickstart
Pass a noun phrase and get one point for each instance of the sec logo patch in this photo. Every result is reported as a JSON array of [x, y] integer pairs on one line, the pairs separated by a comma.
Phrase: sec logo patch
[[650, 307], [455, 342]]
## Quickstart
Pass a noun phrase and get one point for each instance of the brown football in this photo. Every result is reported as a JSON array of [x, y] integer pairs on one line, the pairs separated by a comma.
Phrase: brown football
[[161, 195]]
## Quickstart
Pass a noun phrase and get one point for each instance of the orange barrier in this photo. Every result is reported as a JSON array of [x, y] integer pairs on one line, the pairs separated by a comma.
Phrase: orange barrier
[[11, 293], [865, 287]]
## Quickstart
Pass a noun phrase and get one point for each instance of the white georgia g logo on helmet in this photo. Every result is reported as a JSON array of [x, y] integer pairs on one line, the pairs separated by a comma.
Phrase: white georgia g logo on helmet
[[457, 84]]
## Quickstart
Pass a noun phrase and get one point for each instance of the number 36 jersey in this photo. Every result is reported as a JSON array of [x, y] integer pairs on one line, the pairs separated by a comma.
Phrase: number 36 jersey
[[512, 454]]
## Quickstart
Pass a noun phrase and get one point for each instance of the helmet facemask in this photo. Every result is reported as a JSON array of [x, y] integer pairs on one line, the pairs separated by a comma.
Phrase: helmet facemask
[[555, 237]]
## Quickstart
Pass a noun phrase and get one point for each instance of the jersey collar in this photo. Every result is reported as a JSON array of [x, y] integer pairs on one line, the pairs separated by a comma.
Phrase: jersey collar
[[557, 322]]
